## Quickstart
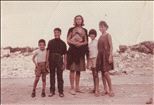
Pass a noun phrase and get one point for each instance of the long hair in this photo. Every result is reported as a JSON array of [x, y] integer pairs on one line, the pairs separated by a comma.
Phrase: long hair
[[82, 24]]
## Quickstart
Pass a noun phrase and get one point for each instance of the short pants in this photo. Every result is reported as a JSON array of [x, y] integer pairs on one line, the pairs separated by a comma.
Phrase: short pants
[[92, 62], [41, 69]]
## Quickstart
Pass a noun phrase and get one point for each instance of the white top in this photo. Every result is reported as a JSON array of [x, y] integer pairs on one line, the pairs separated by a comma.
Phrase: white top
[[93, 51], [40, 55]]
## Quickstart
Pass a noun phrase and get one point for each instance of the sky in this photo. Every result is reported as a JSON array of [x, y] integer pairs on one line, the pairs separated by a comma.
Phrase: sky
[[23, 23]]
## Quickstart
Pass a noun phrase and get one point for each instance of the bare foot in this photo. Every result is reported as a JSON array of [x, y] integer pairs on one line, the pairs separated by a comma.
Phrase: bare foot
[[111, 94], [96, 94], [72, 92], [104, 93], [79, 91]]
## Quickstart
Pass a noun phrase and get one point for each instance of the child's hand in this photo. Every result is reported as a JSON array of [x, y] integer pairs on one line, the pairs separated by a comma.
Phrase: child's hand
[[36, 65], [87, 65], [63, 68], [47, 66], [110, 59]]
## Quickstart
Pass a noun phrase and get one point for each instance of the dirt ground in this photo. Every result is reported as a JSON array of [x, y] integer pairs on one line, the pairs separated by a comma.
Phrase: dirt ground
[[128, 89]]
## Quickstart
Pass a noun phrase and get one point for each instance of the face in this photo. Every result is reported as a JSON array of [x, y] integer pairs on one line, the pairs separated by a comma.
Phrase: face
[[42, 45], [92, 36], [102, 28], [78, 20], [57, 34]]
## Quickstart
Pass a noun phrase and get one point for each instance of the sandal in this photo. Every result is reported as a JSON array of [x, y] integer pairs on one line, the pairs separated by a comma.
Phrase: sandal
[[92, 91], [79, 91], [96, 94], [111, 94], [72, 92], [104, 93]]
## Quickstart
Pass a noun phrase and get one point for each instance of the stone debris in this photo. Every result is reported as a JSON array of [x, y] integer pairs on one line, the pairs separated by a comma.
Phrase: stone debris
[[144, 47], [128, 62], [132, 58]]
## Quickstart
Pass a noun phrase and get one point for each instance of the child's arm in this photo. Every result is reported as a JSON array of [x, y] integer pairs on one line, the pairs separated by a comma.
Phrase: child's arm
[[36, 65], [65, 60], [47, 59], [88, 63], [111, 48]]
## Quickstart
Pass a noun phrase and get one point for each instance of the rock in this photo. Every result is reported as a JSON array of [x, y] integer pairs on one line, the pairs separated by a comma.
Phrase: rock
[[112, 72], [149, 45], [122, 48], [135, 47], [144, 49]]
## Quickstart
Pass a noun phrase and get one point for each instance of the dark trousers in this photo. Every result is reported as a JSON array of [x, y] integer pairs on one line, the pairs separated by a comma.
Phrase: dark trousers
[[56, 63]]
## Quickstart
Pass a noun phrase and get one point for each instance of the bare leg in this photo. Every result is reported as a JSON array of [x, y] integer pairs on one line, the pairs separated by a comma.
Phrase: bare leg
[[72, 79], [96, 81], [104, 83], [77, 80], [35, 82], [34, 86], [107, 76], [93, 77], [44, 81]]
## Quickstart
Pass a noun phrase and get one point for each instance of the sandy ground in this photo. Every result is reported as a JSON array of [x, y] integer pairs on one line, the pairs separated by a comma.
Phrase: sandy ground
[[128, 89]]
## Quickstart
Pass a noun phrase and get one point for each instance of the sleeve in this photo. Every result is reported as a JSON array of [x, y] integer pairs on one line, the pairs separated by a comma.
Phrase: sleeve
[[70, 30], [35, 53], [49, 46], [64, 48]]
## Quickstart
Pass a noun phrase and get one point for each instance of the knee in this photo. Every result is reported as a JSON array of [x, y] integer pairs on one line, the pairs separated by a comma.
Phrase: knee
[[77, 72], [95, 75], [36, 80], [72, 72], [105, 73], [43, 80]]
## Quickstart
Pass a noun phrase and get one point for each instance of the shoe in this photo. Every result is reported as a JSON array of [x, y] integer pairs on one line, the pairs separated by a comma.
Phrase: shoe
[[51, 94], [43, 94], [33, 94], [61, 95], [73, 92]]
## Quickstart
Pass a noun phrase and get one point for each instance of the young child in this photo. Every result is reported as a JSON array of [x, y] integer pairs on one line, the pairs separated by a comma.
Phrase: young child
[[105, 58], [92, 60], [40, 65], [55, 51]]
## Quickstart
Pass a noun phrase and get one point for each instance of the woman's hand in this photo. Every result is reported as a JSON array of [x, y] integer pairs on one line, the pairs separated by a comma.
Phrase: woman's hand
[[79, 45], [110, 59]]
